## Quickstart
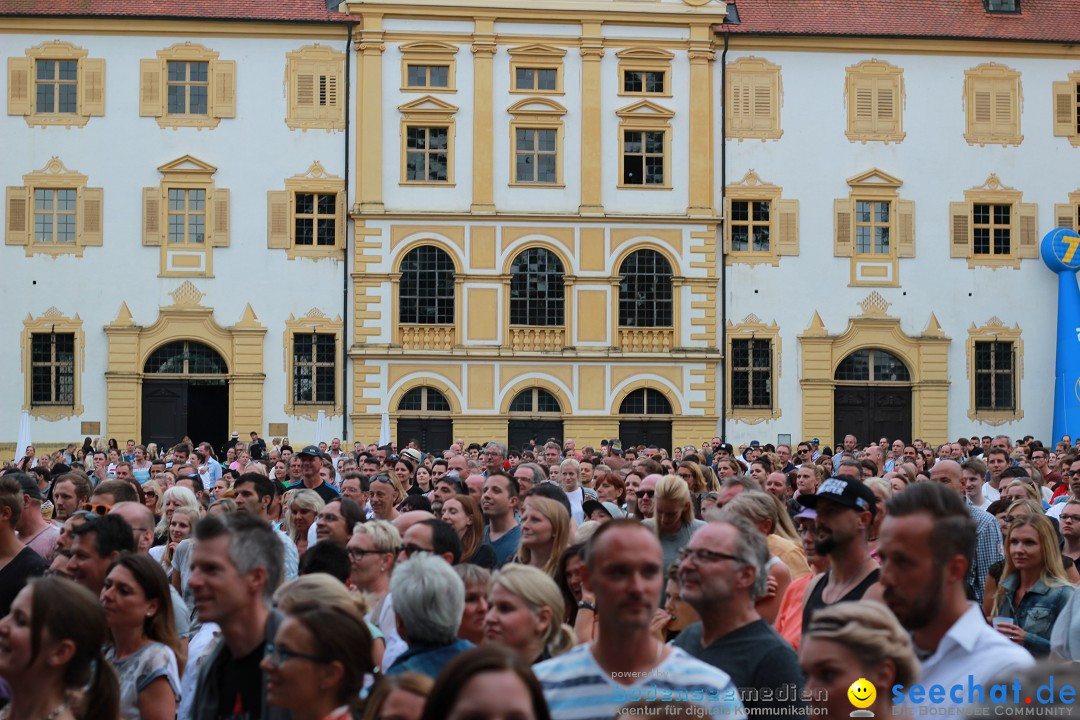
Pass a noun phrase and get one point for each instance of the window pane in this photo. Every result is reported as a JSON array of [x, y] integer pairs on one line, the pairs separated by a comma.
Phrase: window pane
[[426, 291], [326, 234], [176, 71], [199, 100], [740, 211], [1002, 241], [69, 98], [654, 82], [417, 76], [645, 291], [761, 238], [177, 97], [46, 96], [631, 81], [523, 78], [546, 79], [305, 203], [46, 70], [327, 204], [536, 289], [439, 76], [761, 211], [546, 169]]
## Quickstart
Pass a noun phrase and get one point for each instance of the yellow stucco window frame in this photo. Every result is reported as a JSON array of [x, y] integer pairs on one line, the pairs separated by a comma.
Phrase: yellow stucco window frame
[[1067, 215], [1024, 225], [186, 173], [783, 222], [874, 186], [645, 116], [1067, 109], [53, 321], [874, 92], [429, 112], [994, 330], [754, 96], [315, 88], [993, 100], [314, 321], [653, 60], [153, 87], [537, 114], [19, 206], [281, 214], [90, 85], [753, 328], [429, 53], [536, 57]]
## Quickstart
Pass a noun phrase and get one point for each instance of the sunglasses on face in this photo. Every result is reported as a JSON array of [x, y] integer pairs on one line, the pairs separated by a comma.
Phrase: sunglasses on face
[[646, 493], [97, 508]]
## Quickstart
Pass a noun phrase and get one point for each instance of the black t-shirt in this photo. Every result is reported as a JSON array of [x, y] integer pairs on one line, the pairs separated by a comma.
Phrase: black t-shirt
[[326, 492], [14, 576], [241, 687]]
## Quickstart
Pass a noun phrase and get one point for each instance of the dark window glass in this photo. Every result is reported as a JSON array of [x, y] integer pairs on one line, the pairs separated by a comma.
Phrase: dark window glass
[[872, 365], [52, 369], [645, 291], [645, 402], [994, 377], [185, 357], [536, 288], [535, 400], [314, 368], [751, 373], [427, 287], [424, 399]]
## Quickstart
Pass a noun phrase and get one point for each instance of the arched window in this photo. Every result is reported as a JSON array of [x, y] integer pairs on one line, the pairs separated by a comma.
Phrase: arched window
[[536, 289], [645, 402], [185, 357], [426, 295], [872, 366], [645, 291], [534, 401], [423, 400]]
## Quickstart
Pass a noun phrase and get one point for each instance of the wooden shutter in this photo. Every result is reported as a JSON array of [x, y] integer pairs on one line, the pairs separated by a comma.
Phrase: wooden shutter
[[905, 228], [151, 97], [219, 206], [887, 96], [92, 87], [1065, 122], [862, 116], [981, 113], [1004, 115], [20, 99], [341, 225], [1065, 216], [787, 226], [741, 115], [960, 229], [842, 234], [151, 216], [1028, 244], [18, 217], [277, 220], [762, 108], [224, 91], [93, 204], [304, 81]]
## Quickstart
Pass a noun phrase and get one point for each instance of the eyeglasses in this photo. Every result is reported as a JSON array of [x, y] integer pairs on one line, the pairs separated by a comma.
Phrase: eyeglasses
[[714, 496], [358, 554], [1070, 517], [97, 508], [278, 655], [409, 549], [702, 555], [646, 493], [1072, 473], [328, 517]]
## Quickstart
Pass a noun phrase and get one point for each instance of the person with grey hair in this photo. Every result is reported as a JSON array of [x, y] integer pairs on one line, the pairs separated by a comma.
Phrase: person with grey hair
[[528, 476], [494, 458], [429, 600], [236, 565], [722, 572]]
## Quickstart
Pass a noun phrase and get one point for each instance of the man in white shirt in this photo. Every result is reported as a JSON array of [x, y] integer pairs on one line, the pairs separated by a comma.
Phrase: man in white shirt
[[925, 548], [997, 460]]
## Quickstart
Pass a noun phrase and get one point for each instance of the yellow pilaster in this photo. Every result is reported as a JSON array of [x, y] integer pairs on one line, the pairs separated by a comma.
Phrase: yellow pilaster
[[701, 121], [122, 381], [592, 51], [483, 50], [369, 109]]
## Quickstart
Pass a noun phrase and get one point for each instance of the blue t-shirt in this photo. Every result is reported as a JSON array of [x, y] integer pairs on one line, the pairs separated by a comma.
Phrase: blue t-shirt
[[506, 547]]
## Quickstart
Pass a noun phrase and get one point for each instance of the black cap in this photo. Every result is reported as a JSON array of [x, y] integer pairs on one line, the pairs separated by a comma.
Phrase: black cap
[[848, 492], [311, 451]]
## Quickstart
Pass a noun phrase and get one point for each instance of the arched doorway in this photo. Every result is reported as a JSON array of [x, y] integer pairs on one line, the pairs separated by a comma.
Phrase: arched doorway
[[535, 414], [424, 416], [638, 422], [873, 397], [185, 392]]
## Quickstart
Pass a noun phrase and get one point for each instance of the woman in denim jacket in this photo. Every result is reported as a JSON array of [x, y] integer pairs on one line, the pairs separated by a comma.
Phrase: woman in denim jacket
[[1033, 589]]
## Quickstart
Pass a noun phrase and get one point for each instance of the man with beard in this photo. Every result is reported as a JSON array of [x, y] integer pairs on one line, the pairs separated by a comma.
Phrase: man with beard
[[926, 547], [845, 511]]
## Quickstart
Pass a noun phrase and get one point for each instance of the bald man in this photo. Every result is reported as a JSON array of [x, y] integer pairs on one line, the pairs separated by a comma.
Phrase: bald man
[[987, 530]]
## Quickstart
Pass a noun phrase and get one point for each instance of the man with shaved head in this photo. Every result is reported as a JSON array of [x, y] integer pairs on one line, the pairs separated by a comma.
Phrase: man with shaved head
[[987, 530]]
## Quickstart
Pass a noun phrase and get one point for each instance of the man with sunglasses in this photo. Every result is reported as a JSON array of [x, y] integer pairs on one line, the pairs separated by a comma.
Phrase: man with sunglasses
[[721, 575], [646, 495]]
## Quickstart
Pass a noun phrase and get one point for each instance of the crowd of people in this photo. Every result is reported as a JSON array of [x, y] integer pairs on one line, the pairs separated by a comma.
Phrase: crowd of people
[[258, 581]]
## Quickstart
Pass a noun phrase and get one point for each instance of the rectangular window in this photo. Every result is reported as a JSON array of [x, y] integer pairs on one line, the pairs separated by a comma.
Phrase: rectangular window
[[995, 380], [751, 374], [535, 155], [643, 82], [187, 216], [750, 225], [427, 154], [544, 79], [314, 360], [428, 76], [57, 86], [52, 369], [992, 229], [316, 219], [188, 87], [643, 157], [54, 215], [872, 223]]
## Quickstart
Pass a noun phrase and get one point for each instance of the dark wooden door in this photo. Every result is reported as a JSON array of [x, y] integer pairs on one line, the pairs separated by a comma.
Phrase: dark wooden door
[[208, 412], [645, 432], [433, 434], [164, 412], [870, 412], [520, 431]]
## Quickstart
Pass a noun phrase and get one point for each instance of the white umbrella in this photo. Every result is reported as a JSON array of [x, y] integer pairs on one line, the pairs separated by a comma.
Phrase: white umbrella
[[320, 428], [384, 430], [24, 436]]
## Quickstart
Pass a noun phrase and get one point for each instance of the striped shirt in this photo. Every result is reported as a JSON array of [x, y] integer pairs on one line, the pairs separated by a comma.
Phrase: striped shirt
[[577, 688]]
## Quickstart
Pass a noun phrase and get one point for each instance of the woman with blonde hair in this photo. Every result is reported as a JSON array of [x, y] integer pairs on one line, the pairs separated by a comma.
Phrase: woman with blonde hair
[[545, 533], [180, 529], [853, 640], [152, 451], [771, 518], [1034, 588], [153, 497], [372, 551], [691, 473], [175, 497], [673, 516], [301, 507], [525, 611]]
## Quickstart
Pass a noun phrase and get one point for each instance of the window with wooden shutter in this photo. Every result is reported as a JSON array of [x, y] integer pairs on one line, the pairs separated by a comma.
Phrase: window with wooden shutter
[[874, 227], [993, 228], [54, 212], [315, 77], [187, 85], [992, 98], [187, 216], [753, 99], [1066, 115], [56, 84], [308, 219], [875, 97], [759, 226]]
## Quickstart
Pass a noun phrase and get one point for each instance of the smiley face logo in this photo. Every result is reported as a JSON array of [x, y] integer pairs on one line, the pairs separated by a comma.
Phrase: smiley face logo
[[862, 693]]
